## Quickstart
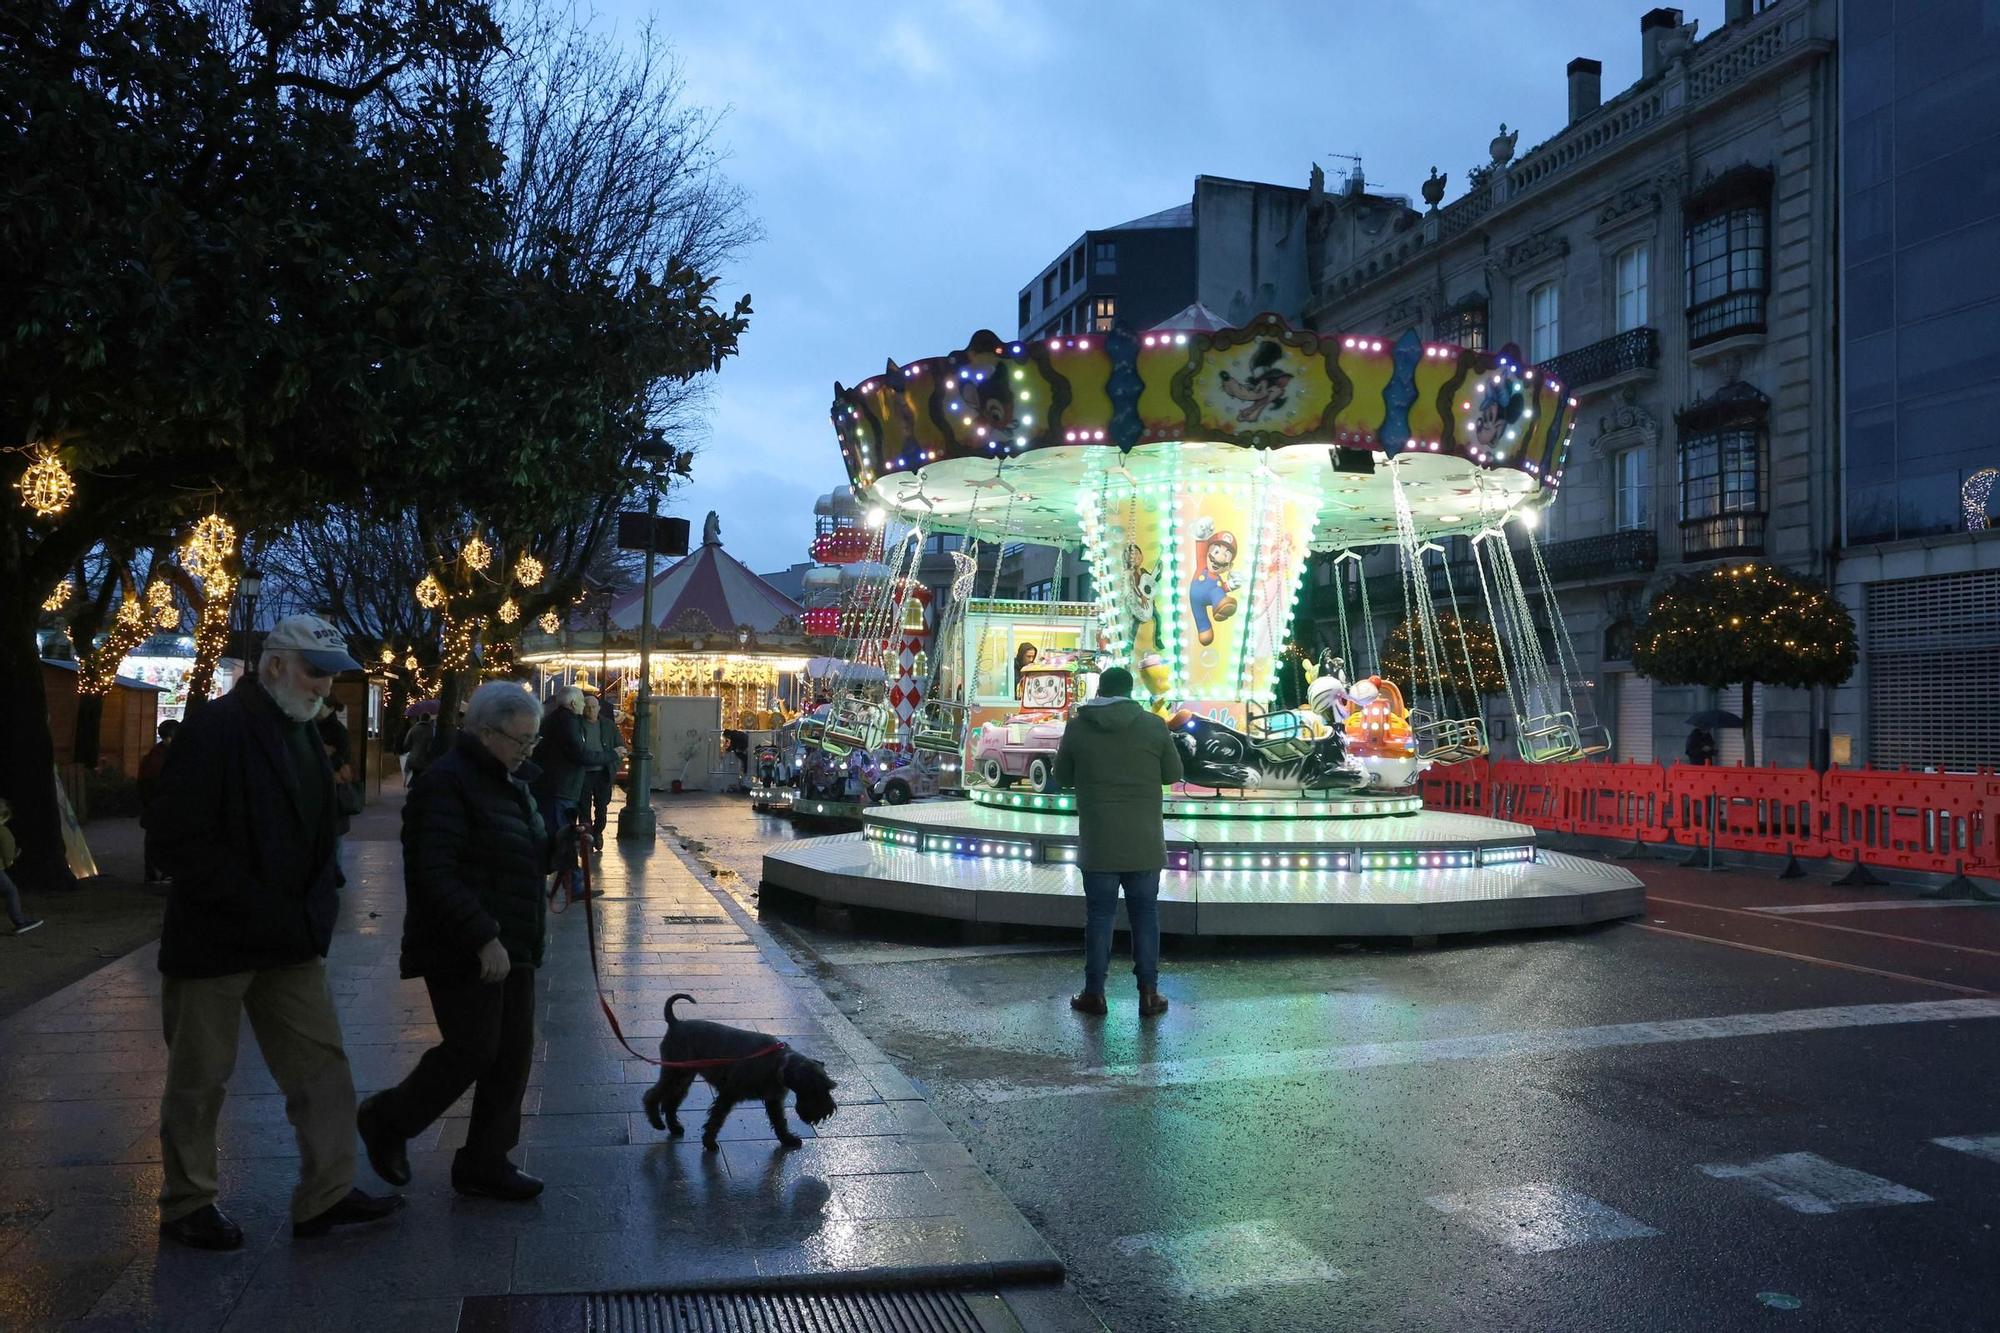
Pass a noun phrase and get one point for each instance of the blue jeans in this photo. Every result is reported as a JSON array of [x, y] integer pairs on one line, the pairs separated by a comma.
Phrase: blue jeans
[[1142, 909]]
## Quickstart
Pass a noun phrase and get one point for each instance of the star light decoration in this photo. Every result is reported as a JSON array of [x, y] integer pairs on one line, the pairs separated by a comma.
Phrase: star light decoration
[[45, 486], [208, 546], [160, 603], [529, 571], [509, 612], [477, 554], [58, 599], [550, 622], [430, 593]]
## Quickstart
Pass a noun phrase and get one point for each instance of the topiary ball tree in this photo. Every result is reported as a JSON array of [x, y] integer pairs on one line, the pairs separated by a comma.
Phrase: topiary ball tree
[[1745, 624], [1406, 669]]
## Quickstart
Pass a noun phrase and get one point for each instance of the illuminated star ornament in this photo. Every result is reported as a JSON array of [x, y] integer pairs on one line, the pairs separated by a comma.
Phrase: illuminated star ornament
[[529, 571], [430, 593], [509, 612], [45, 487], [550, 622], [478, 555]]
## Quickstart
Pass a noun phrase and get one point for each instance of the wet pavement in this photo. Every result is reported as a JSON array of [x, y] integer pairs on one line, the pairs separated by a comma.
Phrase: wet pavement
[[882, 1192], [1766, 1103]]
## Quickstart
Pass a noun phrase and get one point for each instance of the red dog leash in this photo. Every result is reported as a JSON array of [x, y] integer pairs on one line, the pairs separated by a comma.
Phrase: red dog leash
[[604, 1001]]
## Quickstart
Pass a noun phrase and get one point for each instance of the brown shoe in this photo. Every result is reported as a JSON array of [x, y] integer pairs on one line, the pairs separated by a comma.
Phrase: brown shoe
[[1088, 1002], [1151, 1003]]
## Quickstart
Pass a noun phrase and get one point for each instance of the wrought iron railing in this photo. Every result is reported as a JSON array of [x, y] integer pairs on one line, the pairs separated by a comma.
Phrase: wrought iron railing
[[1633, 552], [1722, 534], [1621, 353]]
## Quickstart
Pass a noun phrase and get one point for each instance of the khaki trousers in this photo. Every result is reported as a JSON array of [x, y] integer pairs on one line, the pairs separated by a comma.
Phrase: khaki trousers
[[291, 1013]]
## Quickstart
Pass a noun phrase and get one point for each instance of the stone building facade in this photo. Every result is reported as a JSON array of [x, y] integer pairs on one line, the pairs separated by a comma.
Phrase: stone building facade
[[1670, 254]]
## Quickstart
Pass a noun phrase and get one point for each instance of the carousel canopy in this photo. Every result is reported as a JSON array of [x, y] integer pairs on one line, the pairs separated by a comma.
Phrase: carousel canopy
[[710, 585], [1195, 317]]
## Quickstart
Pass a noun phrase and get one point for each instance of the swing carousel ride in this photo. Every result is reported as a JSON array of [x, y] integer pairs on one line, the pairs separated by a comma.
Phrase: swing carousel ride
[[1193, 472]]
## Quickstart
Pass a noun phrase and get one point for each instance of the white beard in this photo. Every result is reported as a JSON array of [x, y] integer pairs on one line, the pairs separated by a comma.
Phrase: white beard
[[298, 705]]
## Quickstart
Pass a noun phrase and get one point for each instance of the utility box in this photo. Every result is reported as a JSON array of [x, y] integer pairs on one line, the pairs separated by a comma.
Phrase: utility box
[[687, 741]]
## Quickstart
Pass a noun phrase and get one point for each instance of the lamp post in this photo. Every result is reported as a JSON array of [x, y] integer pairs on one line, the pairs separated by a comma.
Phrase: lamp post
[[635, 820], [248, 587]]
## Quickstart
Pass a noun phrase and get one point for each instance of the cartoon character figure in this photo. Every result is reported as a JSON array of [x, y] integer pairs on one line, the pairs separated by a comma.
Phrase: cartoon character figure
[[1155, 675], [1264, 387], [1211, 590], [989, 398], [1499, 408], [1140, 583]]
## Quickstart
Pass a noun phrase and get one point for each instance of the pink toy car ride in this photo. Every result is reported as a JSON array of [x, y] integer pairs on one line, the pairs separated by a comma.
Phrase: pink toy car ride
[[1024, 745]]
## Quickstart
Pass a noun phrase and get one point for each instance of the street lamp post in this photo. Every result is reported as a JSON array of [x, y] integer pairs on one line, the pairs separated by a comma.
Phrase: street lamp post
[[248, 587], [635, 821]]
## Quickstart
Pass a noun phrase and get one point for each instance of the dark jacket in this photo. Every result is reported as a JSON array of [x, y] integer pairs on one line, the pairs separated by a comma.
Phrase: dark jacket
[[474, 853], [608, 738], [255, 879], [418, 744], [1116, 756], [566, 750]]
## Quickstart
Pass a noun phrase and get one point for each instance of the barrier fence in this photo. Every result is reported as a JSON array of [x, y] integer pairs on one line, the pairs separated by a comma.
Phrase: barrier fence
[[1942, 823]]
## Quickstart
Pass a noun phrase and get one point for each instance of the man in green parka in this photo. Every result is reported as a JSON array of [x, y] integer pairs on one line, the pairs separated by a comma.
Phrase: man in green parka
[[1116, 757]]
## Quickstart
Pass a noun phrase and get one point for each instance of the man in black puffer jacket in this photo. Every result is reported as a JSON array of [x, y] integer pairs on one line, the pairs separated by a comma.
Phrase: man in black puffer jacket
[[475, 850]]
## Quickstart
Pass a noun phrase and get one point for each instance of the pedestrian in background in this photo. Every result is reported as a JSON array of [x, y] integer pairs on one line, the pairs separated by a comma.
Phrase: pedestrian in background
[[475, 850], [565, 755], [246, 826], [1116, 756], [1700, 746], [600, 720], [417, 746], [150, 769], [10, 852]]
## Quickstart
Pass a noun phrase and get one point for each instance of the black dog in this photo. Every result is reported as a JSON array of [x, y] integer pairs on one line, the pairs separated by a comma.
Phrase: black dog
[[747, 1076]]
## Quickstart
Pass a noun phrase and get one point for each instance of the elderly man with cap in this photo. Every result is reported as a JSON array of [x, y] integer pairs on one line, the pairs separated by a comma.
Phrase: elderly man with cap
[[246, 821]]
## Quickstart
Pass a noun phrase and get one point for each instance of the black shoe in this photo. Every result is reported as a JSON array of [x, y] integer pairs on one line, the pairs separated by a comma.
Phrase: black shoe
[[353, 1210], [505, 1181], [206, 1228], [387, 1152]]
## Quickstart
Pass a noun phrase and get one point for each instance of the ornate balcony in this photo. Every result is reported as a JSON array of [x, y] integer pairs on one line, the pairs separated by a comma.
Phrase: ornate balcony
[[1631, 355], [1722, 534], [1632, 552]]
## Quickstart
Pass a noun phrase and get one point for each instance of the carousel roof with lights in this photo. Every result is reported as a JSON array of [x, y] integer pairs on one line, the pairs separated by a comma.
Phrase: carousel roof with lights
[[1007, 433], [708, 591]]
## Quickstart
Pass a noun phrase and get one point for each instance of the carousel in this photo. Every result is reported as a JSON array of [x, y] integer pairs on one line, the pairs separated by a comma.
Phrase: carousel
[[1193, 472], [729, 662]]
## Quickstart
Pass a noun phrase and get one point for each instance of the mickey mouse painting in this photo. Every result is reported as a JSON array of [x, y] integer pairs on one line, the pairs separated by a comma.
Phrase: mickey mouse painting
[[1264, 387]]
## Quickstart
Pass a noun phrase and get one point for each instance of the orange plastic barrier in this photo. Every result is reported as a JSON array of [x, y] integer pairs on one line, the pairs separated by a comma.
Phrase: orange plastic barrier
[[1939, 822]]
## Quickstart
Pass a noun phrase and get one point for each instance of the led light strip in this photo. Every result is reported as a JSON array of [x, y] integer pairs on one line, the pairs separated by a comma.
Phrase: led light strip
[[1178, 807]]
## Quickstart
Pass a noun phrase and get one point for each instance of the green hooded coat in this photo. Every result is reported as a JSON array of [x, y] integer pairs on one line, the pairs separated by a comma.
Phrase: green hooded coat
[[1116, 756]]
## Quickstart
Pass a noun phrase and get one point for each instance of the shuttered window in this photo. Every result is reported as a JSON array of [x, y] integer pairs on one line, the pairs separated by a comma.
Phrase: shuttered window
[[1932, 653]]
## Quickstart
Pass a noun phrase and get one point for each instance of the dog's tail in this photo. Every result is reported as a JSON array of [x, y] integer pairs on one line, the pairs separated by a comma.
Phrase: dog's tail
[[677, 995]]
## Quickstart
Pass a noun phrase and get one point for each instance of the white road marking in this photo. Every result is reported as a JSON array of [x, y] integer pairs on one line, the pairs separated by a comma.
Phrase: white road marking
[[1220, 1262], [1537, 1218], [1265, 1066], [912, 953], [1985, 1145], [1807, 1183], [1888, 905]]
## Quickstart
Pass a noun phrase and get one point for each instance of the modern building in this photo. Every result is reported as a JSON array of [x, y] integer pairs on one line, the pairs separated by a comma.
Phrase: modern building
[[1920, 348], [1670, 254]]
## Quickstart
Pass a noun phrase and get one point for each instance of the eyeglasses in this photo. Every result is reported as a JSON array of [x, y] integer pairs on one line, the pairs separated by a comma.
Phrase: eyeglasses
[[521, 742]]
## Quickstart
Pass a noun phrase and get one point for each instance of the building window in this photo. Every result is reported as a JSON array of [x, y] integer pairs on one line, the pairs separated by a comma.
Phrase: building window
[[1104, 258], [1065, 273], [1045, 591], [1728, 255], [1632, 489], [1544, 322], [1462, 325], [1027, 307], [1104, 312], [1634, 272], [1049, 287], [1076, 262], [1722, 471]]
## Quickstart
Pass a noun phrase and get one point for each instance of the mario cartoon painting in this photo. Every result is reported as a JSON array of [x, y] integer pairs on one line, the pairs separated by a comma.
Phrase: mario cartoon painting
[[1211, 592]]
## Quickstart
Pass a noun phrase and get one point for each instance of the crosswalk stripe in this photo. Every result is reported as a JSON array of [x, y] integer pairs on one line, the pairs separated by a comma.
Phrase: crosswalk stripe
[[1539, 1218], [1808, 1183], [1263, 1066], [1984, 1145], [1216, 1263]]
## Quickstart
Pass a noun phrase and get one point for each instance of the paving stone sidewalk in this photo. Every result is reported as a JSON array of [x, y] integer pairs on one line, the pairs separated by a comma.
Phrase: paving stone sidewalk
[[881, 1192]]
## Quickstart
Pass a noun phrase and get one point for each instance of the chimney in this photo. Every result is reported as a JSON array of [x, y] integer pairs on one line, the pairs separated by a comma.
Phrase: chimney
[[1586, 87], [1655, 26]]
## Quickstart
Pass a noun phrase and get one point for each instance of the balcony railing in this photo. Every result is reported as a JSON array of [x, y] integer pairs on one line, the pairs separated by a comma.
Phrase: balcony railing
[[1620, 354], [1632, 552], [1722, 534]]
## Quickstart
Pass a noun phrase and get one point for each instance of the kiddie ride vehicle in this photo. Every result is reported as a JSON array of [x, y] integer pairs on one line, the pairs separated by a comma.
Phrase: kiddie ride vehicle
[[902, 778], [1024, 745], [1348, 736]]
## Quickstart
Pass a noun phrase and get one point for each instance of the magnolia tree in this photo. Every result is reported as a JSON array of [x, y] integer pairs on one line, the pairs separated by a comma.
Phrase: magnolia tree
[[1745, 625]]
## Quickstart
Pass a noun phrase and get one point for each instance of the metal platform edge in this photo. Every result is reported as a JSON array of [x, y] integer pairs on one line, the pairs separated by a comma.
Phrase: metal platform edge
[[784, 869]]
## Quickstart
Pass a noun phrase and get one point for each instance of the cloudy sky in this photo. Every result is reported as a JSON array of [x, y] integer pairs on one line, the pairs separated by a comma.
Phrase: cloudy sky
[[914, 164]]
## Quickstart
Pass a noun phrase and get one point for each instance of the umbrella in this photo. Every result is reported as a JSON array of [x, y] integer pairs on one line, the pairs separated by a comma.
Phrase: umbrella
[[1715, 717], [422, 708]]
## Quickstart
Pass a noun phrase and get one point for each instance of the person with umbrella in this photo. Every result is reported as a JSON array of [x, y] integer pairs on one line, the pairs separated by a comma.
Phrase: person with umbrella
[[1701, 746]]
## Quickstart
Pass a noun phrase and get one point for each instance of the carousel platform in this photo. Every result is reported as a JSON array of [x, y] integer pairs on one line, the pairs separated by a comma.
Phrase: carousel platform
[[1418, 874]]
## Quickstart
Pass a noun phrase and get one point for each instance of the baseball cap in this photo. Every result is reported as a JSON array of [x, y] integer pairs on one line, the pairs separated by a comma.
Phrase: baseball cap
[[319, 643]]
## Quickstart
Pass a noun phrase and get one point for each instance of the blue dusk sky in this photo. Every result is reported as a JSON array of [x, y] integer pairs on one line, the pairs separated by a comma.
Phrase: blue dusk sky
[[913, 165]]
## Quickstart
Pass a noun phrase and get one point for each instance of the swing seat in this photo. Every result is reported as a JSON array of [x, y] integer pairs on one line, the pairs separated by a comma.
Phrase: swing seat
[[1592, 740], [855, 724], [939, 727], [1448, 740], [1549, 738], [1277, 734]]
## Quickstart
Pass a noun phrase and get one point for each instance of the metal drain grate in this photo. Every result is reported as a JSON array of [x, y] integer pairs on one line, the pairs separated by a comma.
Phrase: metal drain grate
[[779, 1312], [694, 920]]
